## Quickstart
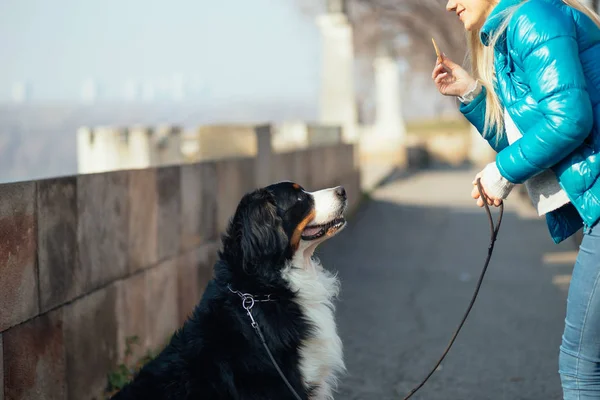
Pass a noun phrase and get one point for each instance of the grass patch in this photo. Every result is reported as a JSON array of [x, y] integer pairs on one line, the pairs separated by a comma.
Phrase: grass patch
[[125, 371]]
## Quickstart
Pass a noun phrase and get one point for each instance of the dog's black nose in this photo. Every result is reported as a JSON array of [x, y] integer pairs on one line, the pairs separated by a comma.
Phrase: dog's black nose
[[340, 191]]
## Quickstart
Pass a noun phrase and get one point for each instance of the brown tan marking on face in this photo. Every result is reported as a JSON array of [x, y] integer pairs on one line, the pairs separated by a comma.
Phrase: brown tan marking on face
[[297, 235], [296, 186]]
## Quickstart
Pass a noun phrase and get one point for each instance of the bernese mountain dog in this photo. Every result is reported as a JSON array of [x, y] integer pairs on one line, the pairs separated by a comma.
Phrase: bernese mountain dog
[[265, 273]]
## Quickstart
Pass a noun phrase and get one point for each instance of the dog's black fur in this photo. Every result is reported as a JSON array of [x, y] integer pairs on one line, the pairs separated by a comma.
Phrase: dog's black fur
[[217, 354]]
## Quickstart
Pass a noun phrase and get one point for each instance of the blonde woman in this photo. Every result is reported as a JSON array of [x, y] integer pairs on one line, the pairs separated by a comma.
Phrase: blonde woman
[[534, 94]]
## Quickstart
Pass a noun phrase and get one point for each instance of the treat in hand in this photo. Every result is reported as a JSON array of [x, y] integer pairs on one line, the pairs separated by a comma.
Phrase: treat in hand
[[437, 51]]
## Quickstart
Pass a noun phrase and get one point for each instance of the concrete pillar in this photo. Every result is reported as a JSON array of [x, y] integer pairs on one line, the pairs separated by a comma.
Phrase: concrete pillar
[[337, 99], [389, 122], [385, 142]]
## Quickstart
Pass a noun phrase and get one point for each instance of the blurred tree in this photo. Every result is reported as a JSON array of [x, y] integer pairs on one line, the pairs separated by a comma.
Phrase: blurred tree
[[404, 26], [408, 25]]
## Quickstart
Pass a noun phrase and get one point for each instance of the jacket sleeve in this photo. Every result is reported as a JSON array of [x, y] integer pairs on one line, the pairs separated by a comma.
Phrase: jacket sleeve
[[474, 112], [549, 54]]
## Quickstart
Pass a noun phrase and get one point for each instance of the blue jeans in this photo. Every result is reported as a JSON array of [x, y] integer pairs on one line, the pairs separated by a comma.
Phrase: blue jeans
[[579, 359]]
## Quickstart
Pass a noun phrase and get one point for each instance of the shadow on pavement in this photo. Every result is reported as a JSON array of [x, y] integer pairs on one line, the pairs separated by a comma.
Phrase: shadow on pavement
[[408, 273]]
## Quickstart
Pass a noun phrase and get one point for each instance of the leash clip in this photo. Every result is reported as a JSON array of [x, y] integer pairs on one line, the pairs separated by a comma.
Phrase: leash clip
[[248, 303]]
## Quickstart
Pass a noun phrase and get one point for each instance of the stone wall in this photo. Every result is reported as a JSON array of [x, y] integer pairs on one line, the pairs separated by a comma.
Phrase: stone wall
[[88, 261], [108, 148]]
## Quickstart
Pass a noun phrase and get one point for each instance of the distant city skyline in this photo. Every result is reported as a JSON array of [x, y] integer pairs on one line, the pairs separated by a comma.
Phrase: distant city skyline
[[152, 50], [171, 88]]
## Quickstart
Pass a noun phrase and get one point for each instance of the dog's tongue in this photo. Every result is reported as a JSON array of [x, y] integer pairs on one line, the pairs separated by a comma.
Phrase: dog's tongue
[[310, 231]]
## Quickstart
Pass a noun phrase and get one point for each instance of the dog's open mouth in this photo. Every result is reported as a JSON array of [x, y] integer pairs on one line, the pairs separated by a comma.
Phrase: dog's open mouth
[[313, 232]]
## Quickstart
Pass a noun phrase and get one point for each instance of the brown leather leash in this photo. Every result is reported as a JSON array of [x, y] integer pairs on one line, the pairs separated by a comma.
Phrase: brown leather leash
[[494, 233]]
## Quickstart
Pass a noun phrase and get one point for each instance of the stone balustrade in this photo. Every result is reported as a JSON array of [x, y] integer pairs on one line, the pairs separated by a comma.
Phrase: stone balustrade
[[87, 261]]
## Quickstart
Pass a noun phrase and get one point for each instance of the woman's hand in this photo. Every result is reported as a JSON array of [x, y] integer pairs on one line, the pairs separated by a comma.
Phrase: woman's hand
[[450, 78], [491, 200]]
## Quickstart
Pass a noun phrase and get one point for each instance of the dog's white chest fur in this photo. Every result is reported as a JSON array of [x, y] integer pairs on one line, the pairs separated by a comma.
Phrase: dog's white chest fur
[[321, 354]]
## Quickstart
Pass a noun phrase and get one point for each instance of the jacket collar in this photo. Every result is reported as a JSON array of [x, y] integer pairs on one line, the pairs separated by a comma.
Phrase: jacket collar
[[494, 20]]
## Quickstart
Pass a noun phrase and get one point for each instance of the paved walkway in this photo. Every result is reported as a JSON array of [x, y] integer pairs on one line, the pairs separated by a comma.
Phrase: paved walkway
[[409, 261]]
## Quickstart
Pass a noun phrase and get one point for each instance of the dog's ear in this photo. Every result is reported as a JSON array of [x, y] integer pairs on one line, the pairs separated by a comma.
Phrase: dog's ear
[[262, 238]]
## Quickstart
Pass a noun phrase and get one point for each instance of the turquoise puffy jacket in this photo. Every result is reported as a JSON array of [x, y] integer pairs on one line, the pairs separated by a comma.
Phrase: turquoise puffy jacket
[[547, 65]]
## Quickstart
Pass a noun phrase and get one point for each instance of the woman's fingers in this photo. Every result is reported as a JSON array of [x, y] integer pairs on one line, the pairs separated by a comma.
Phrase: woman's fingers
[[445, 67], [441, 77], [492, 201], [437, 70]]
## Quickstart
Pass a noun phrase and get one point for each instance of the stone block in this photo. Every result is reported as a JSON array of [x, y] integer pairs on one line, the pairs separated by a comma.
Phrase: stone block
[[90, 329], [1, 370], [208, 257], [283, 167], [235, 178], [293, 166], [263, 163], [317, 167], [162, 312], [195, 270], [213, 142], [347, 157], [132, 318], [103, 207], [302, 171], [143, 219], [188, 293], [61, 278], [208, 220], [34, 356], [191, 206], [198, 204], [332, 170], [323, 135], [18, 248], [169, 211]]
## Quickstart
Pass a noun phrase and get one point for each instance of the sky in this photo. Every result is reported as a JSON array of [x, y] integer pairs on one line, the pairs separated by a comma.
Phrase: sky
[[220, 49]]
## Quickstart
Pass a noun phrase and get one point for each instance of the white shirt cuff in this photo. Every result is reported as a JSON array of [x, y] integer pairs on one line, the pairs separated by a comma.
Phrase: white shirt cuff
[[471, 93], [494, 184]]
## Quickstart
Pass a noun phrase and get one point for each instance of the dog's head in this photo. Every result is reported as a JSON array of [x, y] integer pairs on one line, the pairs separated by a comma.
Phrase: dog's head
[[273, 223]]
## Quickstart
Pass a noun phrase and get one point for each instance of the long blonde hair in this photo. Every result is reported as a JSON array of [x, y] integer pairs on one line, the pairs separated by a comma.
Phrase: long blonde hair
[[482, 63]]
